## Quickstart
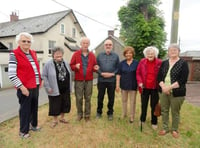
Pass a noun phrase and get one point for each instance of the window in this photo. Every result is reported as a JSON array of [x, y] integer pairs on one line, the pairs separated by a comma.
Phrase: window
[[51, 45], [10, 46], [62, 29], [6, 69], [73, 32]]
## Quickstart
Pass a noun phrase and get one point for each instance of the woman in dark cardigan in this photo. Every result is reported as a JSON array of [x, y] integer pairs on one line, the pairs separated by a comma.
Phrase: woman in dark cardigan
[[172, 78]]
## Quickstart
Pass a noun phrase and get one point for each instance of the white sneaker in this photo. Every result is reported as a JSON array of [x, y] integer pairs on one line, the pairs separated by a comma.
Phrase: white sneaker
[[154, 126]]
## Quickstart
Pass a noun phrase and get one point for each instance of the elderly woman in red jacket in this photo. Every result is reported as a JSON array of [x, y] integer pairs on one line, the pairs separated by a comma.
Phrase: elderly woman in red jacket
[[24, 73], [146, 76]]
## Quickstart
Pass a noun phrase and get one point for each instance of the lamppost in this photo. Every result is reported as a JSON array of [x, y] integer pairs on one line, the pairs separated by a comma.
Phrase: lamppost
[[175, 20]]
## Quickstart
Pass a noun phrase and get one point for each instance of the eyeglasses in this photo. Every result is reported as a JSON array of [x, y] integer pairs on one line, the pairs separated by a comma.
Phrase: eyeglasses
[[108, 44], [25, 41]]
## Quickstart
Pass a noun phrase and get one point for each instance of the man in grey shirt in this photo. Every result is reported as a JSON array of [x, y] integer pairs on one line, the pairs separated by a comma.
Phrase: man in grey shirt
[[108, 62]]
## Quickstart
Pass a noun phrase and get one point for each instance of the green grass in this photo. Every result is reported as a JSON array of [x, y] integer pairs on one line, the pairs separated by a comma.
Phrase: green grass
[[101, 133]]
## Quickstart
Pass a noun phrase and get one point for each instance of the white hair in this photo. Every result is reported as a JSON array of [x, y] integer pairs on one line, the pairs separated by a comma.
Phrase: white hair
[[84, 38], [26, 34], [156, 51]]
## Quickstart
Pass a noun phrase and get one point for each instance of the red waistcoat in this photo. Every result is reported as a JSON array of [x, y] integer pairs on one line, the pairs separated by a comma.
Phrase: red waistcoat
[[25, 70]]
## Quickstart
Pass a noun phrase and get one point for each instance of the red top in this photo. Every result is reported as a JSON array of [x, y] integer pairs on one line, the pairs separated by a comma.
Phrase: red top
[[76, 58], [25, 70], [150, 80], [142, 73]]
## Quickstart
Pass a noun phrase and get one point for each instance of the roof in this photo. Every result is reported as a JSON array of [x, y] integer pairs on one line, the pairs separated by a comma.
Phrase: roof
[[72, 48], [190, 54], [111, 37], [33, 25], [2, 46]]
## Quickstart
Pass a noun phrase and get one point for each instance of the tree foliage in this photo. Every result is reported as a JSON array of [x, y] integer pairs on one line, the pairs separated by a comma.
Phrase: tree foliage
[[142, 26]]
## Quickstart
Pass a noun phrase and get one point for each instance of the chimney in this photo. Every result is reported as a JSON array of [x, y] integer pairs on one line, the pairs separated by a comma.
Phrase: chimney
[[110, 32], [14, 17]]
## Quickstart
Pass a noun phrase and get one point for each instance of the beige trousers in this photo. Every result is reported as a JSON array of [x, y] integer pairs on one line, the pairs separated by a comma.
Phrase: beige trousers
[[132, 98]]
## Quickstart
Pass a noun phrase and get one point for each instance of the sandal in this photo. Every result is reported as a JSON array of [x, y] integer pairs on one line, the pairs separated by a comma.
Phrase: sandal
[[175, 134], [64, 121], [54, 123], [162, 132]]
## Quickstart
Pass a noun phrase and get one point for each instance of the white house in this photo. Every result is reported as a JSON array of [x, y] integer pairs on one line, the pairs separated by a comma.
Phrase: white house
[[50, 30]]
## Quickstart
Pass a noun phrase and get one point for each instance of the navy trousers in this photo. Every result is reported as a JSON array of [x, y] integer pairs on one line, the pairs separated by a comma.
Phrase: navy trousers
[[28, 111]]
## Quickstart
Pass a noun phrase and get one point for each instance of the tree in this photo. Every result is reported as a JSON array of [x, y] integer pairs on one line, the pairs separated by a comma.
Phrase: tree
[[142, 26]]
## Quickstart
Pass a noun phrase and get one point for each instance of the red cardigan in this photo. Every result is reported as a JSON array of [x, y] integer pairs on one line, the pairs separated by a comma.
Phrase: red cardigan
[[25, 71], [141, 73], [76, 58]]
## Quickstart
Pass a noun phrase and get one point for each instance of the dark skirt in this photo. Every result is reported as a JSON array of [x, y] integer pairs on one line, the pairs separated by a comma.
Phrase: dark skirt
[[59, 104]]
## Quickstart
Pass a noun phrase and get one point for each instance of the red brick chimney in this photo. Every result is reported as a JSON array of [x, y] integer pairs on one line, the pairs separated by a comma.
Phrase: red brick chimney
[[110, 32], [14, 17]]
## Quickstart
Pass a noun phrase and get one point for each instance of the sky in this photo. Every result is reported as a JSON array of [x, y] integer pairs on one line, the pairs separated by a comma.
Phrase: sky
[[105, 11]]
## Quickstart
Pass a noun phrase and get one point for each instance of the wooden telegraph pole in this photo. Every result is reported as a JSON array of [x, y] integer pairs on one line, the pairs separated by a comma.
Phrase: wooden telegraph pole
[[175, 20]]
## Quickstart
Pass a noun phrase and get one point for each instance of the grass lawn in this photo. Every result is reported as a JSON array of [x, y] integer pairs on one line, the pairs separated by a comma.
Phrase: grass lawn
[[101, 133]]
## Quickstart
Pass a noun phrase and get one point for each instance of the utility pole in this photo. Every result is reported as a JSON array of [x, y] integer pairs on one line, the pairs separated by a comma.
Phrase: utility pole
[[175, 20]]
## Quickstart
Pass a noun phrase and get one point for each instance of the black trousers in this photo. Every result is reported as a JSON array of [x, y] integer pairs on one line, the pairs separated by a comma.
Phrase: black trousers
[[28, 111], [102, 86], [153, 95]]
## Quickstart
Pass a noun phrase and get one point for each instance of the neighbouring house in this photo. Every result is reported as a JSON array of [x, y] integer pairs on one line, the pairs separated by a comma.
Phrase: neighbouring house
[[118, 45], [50, 30], [193, 59], [4, 80]]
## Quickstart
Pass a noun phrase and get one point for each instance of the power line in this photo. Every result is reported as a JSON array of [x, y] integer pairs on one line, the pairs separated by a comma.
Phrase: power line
[[83, 15]]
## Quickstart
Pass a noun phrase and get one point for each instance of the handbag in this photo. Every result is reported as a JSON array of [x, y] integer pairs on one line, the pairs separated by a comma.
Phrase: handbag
[[157, 111]]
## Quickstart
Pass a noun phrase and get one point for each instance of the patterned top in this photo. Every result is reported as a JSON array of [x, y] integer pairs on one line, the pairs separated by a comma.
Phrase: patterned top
[[178, 73]]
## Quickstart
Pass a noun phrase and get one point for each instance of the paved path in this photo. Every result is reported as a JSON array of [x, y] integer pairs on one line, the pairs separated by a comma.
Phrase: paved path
[[9, 105]]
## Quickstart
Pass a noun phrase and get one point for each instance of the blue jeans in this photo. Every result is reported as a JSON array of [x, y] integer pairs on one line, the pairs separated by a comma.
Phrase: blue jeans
[[102, 86]]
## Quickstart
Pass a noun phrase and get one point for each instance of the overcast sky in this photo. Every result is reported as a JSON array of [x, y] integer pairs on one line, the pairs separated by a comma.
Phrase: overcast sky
[[105, 11]]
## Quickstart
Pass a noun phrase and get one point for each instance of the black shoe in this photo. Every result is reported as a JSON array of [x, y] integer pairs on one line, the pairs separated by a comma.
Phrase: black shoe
[[110, 117], [35, 129], [98, 116]]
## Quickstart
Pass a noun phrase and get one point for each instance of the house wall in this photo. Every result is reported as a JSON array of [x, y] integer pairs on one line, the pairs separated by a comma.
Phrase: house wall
[[194, 68], [117, 48]]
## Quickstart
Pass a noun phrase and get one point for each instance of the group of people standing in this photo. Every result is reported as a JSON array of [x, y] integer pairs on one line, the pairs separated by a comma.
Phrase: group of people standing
[[156, 80]]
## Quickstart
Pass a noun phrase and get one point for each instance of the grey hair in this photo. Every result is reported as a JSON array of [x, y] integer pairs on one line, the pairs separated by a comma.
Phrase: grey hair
[[174, 45], [156, 51], [83, 38], [26, 34], [57, 48]]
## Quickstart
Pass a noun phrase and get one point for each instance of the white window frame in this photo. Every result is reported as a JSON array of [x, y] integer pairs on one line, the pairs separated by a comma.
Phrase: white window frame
[[62, 28], [51, 46]]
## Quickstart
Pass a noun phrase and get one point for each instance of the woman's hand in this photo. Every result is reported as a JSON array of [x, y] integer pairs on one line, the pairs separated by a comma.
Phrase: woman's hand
[[24, 90], [166, 89], [117, 89], [50, 90]]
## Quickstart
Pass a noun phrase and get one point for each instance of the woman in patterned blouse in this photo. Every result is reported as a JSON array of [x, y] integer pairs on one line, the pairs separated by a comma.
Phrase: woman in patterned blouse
[[172, 78]]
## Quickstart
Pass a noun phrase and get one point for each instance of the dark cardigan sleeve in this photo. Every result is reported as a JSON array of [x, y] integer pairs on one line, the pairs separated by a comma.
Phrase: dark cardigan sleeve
[[182, 79]]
